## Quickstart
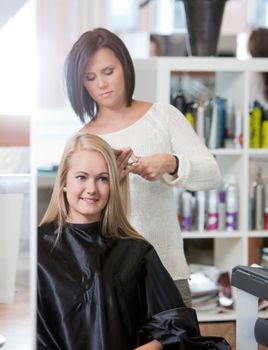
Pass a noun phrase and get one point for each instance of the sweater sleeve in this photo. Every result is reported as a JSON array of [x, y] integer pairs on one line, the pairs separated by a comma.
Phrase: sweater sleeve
[[198, 169]]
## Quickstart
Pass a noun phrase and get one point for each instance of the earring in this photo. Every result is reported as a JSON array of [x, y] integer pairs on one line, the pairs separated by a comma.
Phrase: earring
[[65, 189]]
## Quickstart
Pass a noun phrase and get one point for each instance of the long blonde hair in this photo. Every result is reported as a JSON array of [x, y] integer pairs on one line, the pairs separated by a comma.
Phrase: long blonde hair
[[114, 216]]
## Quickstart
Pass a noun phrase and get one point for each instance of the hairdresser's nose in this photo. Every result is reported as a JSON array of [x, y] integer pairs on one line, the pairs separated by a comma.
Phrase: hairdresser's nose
[[102, 83]]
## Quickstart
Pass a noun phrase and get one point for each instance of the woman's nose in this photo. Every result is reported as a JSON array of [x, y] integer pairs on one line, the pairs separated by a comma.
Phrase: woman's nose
[[91, 187]]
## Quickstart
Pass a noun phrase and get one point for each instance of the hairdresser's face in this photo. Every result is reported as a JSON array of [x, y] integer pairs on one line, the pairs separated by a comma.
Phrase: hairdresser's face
[[87, 187], [104, 79]]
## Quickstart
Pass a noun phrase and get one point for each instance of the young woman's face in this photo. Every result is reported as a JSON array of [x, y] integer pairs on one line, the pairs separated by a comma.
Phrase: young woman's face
[[87, 187], [104, 79]]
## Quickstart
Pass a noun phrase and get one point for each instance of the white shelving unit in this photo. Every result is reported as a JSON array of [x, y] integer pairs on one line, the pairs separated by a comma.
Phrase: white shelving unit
[[232, 80]]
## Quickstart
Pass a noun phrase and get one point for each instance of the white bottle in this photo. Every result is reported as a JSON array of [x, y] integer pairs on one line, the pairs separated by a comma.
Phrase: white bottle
[[201, 210], [238, 137], [212, 142], [200, 121], [186, 211], [232, 205], [222, 209], [212, 215], [259, 198]]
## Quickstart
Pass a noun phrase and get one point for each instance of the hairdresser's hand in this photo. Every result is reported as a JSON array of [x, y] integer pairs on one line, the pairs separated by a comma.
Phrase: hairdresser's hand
[[125, 158], [153, 167]]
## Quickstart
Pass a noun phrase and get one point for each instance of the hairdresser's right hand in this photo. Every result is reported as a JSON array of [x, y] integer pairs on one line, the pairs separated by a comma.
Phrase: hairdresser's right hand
[[124, 158]]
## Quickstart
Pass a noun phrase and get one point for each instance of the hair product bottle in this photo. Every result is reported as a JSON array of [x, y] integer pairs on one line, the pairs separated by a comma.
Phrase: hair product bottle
[[186, 211], [229, 124], [222, 209], [212, 142], [200, 120], [255, 125], [201, 210], [212, 214], [178, 100], [264, 130], [266, 218], [258, 202], [232, 206], [238, 139]]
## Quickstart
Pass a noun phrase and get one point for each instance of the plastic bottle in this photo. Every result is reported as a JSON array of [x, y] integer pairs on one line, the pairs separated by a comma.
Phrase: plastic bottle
[[201, 210], [178, 100], [232, 205], [212, 213], [189, 114], [258, 202], [255, 125], [222, 209], [264, 130], [200, 120], [238, 139], [229, 125], [266, 218], [212, 142], [186, 211], [221, 108]]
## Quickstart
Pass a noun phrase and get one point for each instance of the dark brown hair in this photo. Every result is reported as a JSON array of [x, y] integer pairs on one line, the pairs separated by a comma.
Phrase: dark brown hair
[[77, 61], [258, 47]]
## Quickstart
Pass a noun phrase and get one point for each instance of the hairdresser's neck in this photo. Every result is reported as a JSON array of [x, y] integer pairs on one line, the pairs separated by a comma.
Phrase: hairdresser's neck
[[115, 113]]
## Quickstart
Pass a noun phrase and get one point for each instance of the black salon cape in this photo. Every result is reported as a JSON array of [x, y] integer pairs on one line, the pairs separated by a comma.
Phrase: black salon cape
[[97, 293]]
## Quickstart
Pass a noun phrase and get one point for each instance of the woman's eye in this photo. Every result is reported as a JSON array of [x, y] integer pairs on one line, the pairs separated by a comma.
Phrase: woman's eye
[[80, 177], [103, 179]]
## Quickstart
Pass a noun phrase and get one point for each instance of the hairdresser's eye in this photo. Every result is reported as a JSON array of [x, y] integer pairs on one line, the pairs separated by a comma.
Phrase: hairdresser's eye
[[108, 71], [89, 77]]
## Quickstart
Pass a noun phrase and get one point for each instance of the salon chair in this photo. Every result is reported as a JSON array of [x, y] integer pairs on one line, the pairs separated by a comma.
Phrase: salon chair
[[252, 285]]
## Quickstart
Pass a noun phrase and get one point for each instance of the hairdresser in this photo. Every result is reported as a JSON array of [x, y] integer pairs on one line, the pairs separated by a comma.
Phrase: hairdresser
[[159, 147]]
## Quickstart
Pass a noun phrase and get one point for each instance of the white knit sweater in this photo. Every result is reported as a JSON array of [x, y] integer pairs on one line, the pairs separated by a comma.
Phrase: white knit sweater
[[163, 129]]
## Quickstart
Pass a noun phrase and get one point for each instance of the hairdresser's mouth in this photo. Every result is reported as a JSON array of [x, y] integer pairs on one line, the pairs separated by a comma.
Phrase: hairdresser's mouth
[[105, 94]]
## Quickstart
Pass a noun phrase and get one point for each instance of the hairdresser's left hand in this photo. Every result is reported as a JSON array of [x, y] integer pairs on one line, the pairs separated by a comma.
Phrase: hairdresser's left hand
[[124, 158], [153, 167]]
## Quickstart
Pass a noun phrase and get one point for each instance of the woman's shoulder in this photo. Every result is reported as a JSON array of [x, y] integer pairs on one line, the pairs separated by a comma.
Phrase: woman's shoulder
[[137, 244], [165, 115], [47, 229], [166, 107]]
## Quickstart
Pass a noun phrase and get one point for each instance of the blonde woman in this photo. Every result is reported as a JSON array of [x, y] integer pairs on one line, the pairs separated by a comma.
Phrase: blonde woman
[[101, 285]]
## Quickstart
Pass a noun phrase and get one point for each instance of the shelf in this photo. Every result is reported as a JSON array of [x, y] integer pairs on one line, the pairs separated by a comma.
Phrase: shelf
[[258, 152], [223, 316], [212, 234], [227, 151], [15, 175], [256, 234], [216, 317], [230, 78], [202, 64]]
